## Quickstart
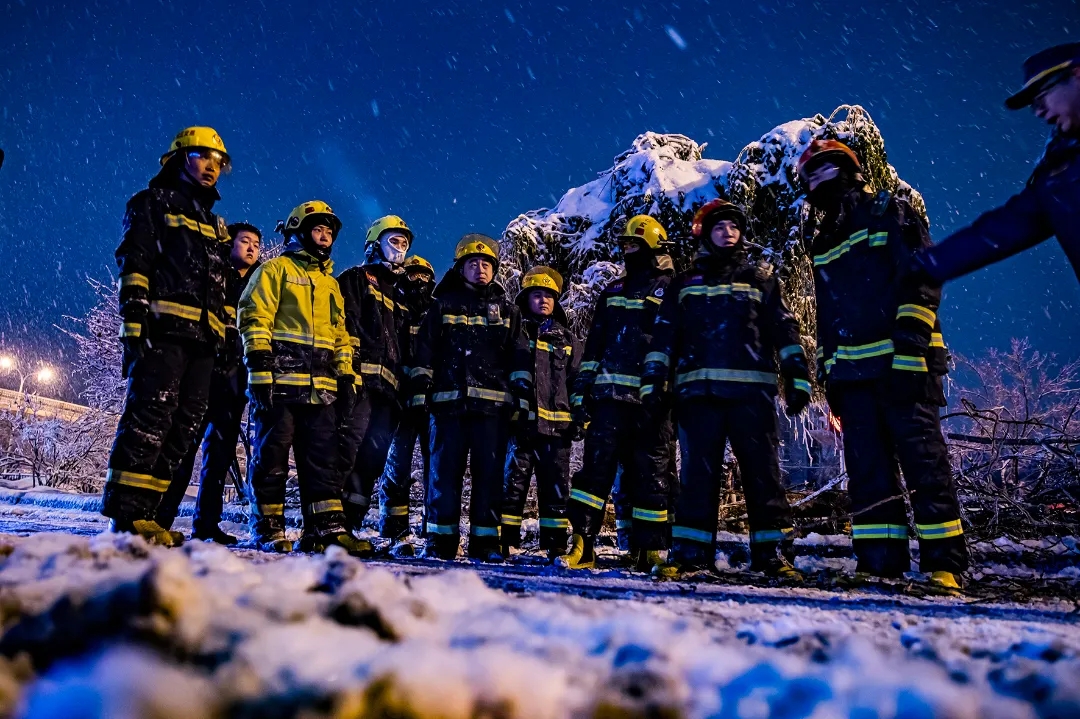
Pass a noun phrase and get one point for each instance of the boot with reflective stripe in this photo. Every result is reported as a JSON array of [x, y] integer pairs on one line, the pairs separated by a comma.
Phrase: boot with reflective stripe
[[270, 535], [944, 584], [580, 556]]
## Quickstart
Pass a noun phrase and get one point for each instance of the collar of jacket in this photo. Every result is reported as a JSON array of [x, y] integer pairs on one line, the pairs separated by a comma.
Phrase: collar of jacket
[[1060, 150], [168, 178], [301, 256], [381, 271], [452, 281], [712, 259], [558, 314]]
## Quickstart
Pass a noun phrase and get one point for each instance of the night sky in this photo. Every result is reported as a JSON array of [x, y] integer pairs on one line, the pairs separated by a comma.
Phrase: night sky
[[461, 115]]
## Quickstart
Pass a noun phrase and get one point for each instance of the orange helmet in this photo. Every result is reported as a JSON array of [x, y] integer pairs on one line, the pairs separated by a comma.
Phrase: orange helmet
[[714, 211], [821, 150]]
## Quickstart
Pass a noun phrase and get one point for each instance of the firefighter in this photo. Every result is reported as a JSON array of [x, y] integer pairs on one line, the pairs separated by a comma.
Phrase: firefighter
[[469, 344], [173, 261], [607, 389], [881, 357], [220, 427], [299, 360], [397, 477], [1050, 203], [721, 327], [375, 316], [542, 437]]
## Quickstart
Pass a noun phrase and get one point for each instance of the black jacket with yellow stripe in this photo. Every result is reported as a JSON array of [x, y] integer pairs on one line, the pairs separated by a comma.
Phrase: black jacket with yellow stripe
[[870, 320], [231, 354], [377, 322], [173, 260], [293, 308], [470, 343], [556, 359], [720, 329], [622, 328]]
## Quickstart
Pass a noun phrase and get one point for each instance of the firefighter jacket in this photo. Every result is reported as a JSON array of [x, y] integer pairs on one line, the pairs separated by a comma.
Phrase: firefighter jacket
[[556, 358], [417, 298], [1048, 205], [292, 307], [868, 319], [377, 321], [621, 331], [470, 343], [231, 354], [721, 326], [173, 259]]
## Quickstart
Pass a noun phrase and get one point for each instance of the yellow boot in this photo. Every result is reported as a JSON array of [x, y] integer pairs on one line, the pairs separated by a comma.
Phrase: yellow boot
[[580, 556], [154, 533], [945, 584]]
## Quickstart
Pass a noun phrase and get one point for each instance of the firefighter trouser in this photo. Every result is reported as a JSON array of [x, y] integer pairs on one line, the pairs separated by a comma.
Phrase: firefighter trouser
[[751, 427], [310, 430], [397, 477], [624, 510], [165, 402], [880, 440], [549, 458], [478, 439], [218, 435], [621, 433], [363, 445]]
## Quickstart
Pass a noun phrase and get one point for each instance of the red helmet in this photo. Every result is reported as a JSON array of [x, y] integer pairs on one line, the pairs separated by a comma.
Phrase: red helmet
[[820, 150], [715, 210]]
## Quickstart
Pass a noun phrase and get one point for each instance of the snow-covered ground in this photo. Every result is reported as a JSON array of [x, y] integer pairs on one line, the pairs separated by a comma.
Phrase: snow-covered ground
[[97, 626]]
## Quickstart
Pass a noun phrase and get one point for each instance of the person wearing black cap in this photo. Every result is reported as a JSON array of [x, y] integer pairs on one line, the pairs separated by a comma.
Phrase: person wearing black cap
[[1049, 204], [220, 427], [721, 328], [470, 368], [881, 358], [544, 433]]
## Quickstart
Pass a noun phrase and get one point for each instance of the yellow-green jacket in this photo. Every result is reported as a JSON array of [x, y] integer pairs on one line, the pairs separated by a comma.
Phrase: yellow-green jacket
[[292, 307]]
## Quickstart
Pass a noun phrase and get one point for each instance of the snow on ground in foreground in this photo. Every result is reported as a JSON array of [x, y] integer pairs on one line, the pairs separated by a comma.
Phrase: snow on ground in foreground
[[120, 629]]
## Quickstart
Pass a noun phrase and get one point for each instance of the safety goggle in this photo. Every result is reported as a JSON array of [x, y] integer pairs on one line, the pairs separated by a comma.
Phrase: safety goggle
[[217, 158], [1049, 84]]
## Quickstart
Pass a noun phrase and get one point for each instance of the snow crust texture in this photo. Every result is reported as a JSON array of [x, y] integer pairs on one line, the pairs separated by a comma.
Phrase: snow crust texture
[[110, 627]]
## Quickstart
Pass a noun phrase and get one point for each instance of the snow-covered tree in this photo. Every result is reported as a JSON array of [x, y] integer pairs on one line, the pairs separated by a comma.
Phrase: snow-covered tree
[[667, 176]]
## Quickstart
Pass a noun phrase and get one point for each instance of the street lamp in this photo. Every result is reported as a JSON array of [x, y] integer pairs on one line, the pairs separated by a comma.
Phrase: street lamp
[[43, 376]]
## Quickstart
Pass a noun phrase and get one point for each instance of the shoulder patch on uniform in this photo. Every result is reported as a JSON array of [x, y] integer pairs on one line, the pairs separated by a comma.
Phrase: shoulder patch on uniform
[[659, 292], [371, 278]]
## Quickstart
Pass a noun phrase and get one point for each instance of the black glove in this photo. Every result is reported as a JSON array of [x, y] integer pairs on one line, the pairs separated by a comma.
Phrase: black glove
[[579, 416], [654, 397], [416, 409], [133, 315], [133, 351], [796, 395], [908, 385], [576, 433], [261, 396], [346, 397], [521, 389]]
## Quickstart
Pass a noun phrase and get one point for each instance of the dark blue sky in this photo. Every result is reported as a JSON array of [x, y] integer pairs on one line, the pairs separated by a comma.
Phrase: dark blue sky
[[460, 115]]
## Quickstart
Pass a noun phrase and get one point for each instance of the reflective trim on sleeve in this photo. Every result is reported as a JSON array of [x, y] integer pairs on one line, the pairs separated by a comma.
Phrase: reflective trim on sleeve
[[552, 416], [858, 352], [216, 324], [554, 523], [791, 351], [585, 498], [802, 385], [939, 531], [694, 535], [660, 357], [478, 321], [327, 384], [590, 366], [328, 505], [432, 528], [260, 378], [520, 374], [378, 370], [134, 280], [909, 364], [511, 520], [646, 390], [131, 329], [485, 531], [726, 375], [163, 307], [879, 531], [418, 400], [135, 479], [548, 347], [624, 380], [420, 372], [650, 515], [771, 535], [879, 239], [576, 400], [293, 379], [399, 511], [937, 340], [918, 312]]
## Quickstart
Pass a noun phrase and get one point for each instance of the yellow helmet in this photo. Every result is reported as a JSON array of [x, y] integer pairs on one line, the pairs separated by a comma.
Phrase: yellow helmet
[[206, 137], [304, 216], [416, 263], [477, 244], [390, 222], [542, 277], [646, 229]]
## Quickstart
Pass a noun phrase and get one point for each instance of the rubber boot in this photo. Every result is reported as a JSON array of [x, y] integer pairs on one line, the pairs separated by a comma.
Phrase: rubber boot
[[785, 572], [685, 557], [944, 584], [580, 556], [214, 534], [149, 530], [442, 547], [404, 547], [270, 535], [356, 547], [647, 559], [486, 549], [554, 553]]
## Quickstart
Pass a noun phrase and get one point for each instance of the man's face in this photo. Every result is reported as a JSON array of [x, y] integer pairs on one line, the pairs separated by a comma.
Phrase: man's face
[[1059, 104], [541, 303], [398, 242], [245, 249], [629, 245], [478, 270], [322, 236], [822, 173], [725, 233], [204, 165]]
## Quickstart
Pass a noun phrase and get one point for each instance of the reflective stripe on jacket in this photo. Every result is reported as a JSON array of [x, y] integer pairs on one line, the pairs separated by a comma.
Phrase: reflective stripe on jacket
[[556, 357], [293, 307], [376, 319]]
